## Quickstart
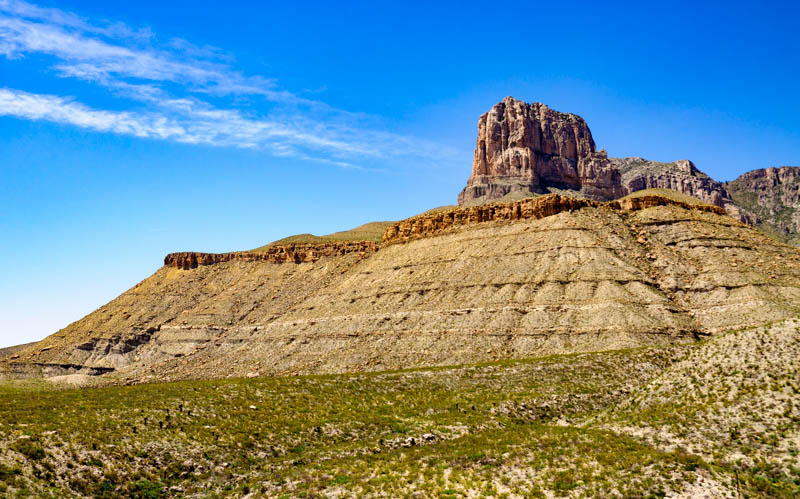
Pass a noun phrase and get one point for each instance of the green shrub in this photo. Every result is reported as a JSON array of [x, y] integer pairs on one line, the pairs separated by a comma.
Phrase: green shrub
[[146, 489], [30, 450]]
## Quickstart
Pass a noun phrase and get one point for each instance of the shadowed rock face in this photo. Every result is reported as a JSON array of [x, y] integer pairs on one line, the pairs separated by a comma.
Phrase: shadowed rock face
[[531, 148], [770, 197]]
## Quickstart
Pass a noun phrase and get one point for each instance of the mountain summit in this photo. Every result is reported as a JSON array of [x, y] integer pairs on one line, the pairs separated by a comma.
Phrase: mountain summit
[[529, 148]]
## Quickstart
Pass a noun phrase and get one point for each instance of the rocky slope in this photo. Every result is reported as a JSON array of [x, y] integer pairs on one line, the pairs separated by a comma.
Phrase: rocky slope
[[771, 199], [528, 149], [732, 399], [531, 148], [545, 275], [8, 351]]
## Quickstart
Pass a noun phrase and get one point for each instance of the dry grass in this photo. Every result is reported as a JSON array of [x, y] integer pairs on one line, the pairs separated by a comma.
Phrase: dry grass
[[372, 231], [667, 193]]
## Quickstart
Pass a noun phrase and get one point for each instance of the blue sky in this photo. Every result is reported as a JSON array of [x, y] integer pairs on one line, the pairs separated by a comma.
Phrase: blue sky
[[132, 129]]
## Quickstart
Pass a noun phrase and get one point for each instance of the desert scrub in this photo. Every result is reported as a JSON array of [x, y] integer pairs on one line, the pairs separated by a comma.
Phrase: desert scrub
[[486, 428]]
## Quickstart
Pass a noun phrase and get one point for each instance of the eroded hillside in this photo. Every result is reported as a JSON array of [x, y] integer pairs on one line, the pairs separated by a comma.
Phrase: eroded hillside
[[545, 275]]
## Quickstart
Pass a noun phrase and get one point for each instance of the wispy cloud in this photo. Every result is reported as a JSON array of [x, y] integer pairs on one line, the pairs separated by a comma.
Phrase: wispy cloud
[[172, 78]]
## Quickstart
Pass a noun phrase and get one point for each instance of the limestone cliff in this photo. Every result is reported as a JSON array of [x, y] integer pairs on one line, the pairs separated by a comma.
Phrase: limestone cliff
[[527, 149], [681, 176], [531, 148], [770, 197]]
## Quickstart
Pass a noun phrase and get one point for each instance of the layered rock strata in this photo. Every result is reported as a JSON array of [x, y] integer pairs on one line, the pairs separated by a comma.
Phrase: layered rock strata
[[432, 224], [287, 253], [681, 176], [770, 197], [527, 149], [602, 276], [531, 148]]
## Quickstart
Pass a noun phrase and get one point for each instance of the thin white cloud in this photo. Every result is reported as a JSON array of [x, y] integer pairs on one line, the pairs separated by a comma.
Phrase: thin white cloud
[[170, 80], [94, 59], [190, 123]]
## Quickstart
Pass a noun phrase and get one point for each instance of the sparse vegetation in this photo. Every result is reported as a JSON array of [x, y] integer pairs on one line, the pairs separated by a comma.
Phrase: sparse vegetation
[[667, 193], [539, 427], [372, 231]]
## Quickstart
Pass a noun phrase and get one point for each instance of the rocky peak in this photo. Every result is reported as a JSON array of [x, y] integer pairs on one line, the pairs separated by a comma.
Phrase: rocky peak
[[529, 148]]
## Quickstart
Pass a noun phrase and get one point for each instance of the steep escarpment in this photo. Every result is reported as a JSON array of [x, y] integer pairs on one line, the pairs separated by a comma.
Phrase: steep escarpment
[[445, 288], [771, 198], [679, 176], [530, 148], [523, 150], [444, 221]]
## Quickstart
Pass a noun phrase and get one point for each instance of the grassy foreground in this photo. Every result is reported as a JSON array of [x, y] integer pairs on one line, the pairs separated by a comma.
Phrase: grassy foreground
[[504, 429]]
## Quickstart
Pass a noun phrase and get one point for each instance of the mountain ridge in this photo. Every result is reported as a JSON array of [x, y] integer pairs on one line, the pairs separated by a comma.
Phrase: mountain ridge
[[528, 149], [454, 286]]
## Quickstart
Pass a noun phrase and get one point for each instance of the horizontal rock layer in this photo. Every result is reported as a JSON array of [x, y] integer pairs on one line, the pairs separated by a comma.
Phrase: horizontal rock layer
[[603, 276], [432, 224], [682, 176], [289, 253]]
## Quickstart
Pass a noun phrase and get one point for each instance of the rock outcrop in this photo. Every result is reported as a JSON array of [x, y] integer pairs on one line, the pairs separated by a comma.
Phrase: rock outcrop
[[285, 253], [527, 149], [530, 148], [770, 199], [681, 176], [444, 289], [434, 224]]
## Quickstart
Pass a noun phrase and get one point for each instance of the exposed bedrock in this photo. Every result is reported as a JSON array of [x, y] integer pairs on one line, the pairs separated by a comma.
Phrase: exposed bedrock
[[431, 224], [681, 176], [288, 253], [585, 276], [527, 149], [771, 198], [530, 148]]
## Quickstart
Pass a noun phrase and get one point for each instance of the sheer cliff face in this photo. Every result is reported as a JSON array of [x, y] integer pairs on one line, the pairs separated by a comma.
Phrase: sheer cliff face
[[526, 149], [771, 199], [530, 148]]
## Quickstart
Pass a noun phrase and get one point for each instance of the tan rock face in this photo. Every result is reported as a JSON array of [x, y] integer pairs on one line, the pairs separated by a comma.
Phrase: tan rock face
[[544, 275], [530, 147], [433, 224]]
